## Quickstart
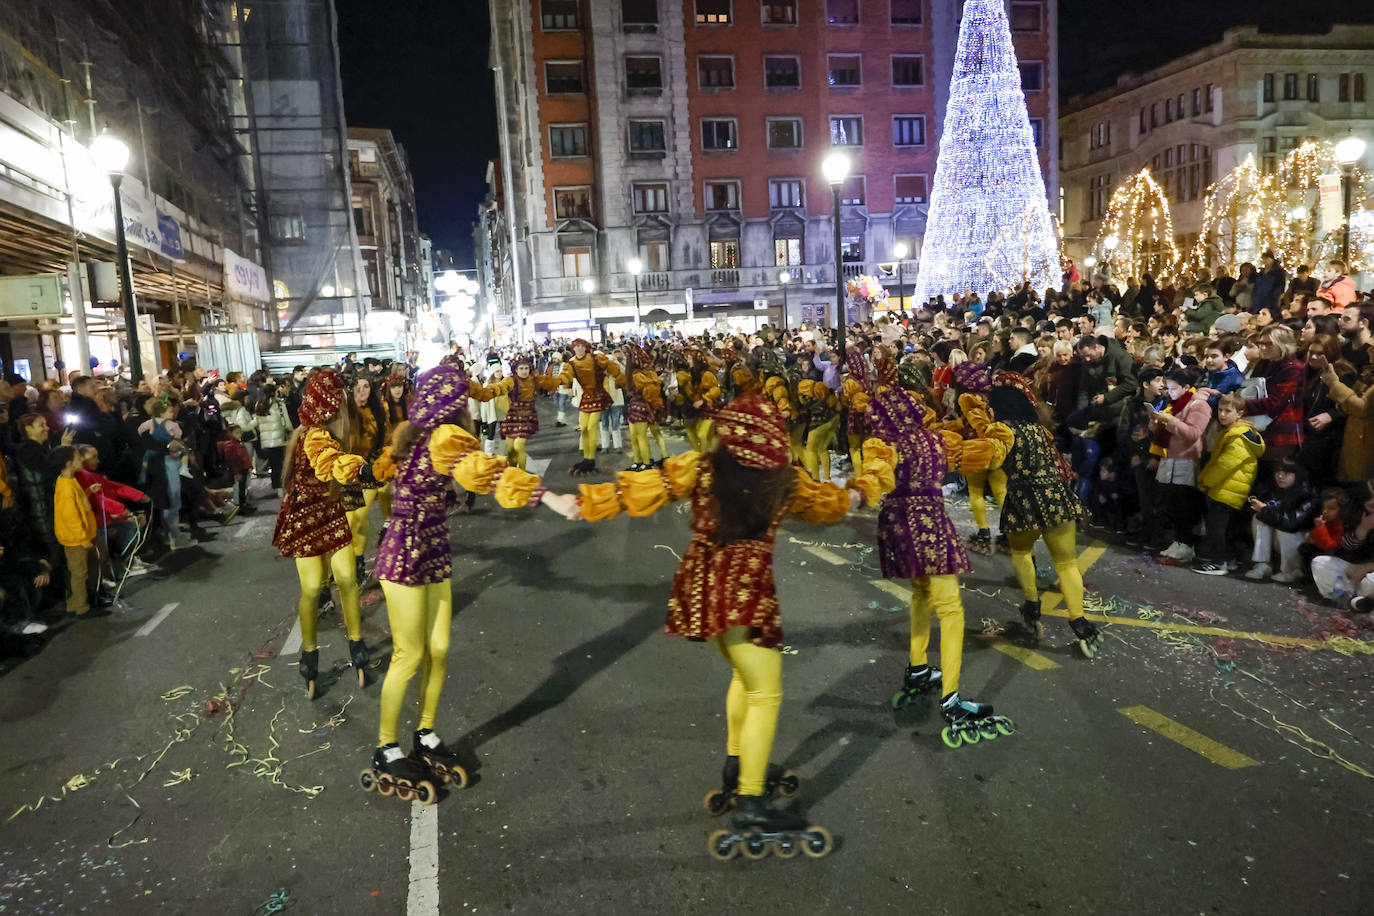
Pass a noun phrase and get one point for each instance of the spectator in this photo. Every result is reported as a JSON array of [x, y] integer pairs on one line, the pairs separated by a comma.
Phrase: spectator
[[1337, 288], [75, 529], [1282, 397], [1179, 430], [1225, 482], [274, 429], [1222, 377], [1283, 514], [118, 526], [1269, 282], [1355, 329], [1207, 308], [1349, 579]]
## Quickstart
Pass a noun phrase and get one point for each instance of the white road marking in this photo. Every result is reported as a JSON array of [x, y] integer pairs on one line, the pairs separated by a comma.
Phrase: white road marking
[[245, 528], [160, 616], [423, 899], [537, 466], [293, 641]]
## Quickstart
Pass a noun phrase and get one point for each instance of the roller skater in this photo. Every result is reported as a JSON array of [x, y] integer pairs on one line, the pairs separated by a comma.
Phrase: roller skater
[[759, 828], [590, 369], [920, 681], [980, 542], [441, 760], [393, 773], [359, 656], [310, 671], [1030, 618], [777, 782], [971, 722], [971, 383], [1088, 635]]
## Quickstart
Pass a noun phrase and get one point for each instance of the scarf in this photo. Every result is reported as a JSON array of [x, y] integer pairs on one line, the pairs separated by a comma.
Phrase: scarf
[[1174, 408]]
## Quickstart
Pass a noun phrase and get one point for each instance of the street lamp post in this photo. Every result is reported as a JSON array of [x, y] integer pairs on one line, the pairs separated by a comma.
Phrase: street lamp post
[[1348, 152], [589, 287], [635, 266], [784, 278], [836, 169], [112, 154], [899, 251]]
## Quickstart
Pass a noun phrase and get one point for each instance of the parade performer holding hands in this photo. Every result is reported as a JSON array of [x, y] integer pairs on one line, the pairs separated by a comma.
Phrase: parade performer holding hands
[[522, 419], [698, 393], [643, 402], [590, 369]]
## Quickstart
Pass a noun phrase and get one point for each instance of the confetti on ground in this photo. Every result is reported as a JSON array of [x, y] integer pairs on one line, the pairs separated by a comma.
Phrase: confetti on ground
[[669, 549]]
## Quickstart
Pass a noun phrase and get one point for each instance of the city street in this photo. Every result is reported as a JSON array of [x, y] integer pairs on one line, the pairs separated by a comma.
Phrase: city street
[[1214, 758]]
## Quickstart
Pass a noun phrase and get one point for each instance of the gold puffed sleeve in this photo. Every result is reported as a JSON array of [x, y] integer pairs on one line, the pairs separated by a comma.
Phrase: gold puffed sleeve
[[641, 493], [854, 395], [384, 468], [681, 472], [651, 388], [516, 488], [981, 454], [974, 407], [710, 389], [879, 474], [454, 452], [448, 444], [599, 501], [818, 503], [329, 459], [776, 388]]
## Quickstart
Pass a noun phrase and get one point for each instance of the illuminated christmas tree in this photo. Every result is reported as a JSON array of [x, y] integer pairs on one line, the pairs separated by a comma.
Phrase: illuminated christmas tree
[[989, 223]]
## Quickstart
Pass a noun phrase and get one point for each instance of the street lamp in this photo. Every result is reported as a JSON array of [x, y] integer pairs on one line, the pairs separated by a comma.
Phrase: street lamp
[[112, 154], [1348, 152], [635, 266], [589, 287], [784, 278], [836, 169], [899, 251]]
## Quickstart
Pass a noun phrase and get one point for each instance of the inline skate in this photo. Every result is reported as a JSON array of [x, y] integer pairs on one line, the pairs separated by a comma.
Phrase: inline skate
[[777, 782], [759, 828], [393, 773], [971, 722], [310, 670], [1088, 635], [359, 655], [439, 758], [981, 542], [920, 680], [1030, 617]]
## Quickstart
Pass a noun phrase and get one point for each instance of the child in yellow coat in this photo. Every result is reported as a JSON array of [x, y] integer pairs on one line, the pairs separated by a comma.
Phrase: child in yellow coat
[[74, 521], [1226, 481]]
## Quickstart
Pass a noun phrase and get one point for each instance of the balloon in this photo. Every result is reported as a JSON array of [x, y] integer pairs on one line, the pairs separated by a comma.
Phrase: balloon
[[183, 356], [59, 365], [114, 363], [95, 361]]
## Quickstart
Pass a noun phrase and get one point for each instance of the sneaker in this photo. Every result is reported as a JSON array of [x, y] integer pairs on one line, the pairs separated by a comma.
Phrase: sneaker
[[1210, 568], [34, 628], [108, 584], [1186, 555], [1287, 578], [1360, 604], [137, 567], [230, 510], [1172, 551], [1259, 572]]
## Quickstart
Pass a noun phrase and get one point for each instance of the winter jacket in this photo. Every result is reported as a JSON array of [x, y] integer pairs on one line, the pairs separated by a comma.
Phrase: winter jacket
[[1340, 292], [274, 427], [1283, 402], [1186, 428], [1269, 285], [235, 414], [72, 514], [107, 497], [1223, 382], [1204, 315], [1230, 472], [1290, 510], [1356, 461], [1093, 377]]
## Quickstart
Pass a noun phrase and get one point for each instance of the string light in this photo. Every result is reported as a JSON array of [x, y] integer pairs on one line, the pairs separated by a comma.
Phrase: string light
[[989, 223], [1138, 218], [1237, 222]]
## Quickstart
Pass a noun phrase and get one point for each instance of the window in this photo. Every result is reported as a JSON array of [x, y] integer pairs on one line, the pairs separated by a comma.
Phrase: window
[[1357, 88], [852, 194], [654, 255], [785, 192], [1143, 125], [1098, 186], [909, 189], [556, 15], [647, 137], [782, 72], [1037, 126], [1207, 98], [1197, 102], [725, 254], [1099, 137], [1178, 108], [719, 134], [1268, 87], [716, 72], [1290, 86], [572, 203], [722, 195], [784, 133], [567, 140], [844, 69], [577, 262], [1154, 115], [639, 13], [563, 76], [1032, 76], [362, 218], [643, 73], [713, 12], [906, 12], [650, 198], [908, 130], [1343, 88], [787, 250], [908, 70], [288, 228], [852, 249], [1168, 111], [847, 130], [779, 12], [842, 12], [1313, 88], [1025, 17]]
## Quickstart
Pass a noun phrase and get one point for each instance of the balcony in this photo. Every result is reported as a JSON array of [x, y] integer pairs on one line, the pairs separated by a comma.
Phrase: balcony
[[853, 269], [673, 282], [725, 279]]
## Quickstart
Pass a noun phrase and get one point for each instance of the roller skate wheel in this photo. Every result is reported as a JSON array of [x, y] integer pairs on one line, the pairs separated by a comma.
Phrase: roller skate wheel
[[754, 846], [951, 737], [1005, 726], [972, 735], [457, 776], [788, 784], [716, 802], [818, 842], [386, 786], [786, 847], [900, 699], [722, 846], [987, 730], [404, 792], [362, 677], [425, 793], [310, 690], [367, 780]]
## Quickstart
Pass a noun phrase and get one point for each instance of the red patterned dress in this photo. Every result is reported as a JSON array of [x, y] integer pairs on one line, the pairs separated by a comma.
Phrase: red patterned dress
[[311, 522]]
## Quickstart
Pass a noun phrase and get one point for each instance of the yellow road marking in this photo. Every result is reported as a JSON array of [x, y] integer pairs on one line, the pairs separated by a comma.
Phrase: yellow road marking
[[893, 589], [1177, 732], [1090, 555], [828, 556], [1024, 656]]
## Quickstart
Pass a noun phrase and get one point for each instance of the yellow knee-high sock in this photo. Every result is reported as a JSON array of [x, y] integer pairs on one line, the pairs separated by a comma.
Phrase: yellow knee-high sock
[[312, 571], [795, 444], [405, 610], [1023, 561], [345, 576], [736, 711], [760, 671], [949, 607], [977, 502], [1063, 544], [689, 429]]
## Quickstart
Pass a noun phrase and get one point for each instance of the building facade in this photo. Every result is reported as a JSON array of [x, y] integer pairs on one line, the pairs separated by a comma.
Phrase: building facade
[[1194, 119], [688, 135], [395, 271]]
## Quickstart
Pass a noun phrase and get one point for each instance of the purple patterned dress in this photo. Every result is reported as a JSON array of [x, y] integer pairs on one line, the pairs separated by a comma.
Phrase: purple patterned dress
[[415, 549]]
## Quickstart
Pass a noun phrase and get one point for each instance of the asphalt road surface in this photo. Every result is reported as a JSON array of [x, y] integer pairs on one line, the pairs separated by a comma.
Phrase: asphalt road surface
[[1216, 757]]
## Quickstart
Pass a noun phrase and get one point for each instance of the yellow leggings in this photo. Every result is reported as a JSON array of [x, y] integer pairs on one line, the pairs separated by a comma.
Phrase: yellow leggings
[[816, 456], [977, 501], [795, 445], [420, 616], [384, 498], [656, 435], [515, 453], [314, 573], [358, 522], [856, 452], [639, 443], [940, 594], [1063, 544], [700, 433], [590, 426], [751, 706]]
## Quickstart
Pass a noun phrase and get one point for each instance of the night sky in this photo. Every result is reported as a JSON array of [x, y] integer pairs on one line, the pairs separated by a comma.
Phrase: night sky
[[419, 67]]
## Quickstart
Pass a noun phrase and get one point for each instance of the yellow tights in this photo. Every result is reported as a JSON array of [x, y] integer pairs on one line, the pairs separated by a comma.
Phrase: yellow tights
[[420, 616], [941, 595], [384, 498], [515, 453], [751, 706], [856, 452], [700, 433], [656, 434], [639, 443], [795, 446], [977, 502], [358, 522], [1063, 544], [314, 574], [816, 455], [590, 426]]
